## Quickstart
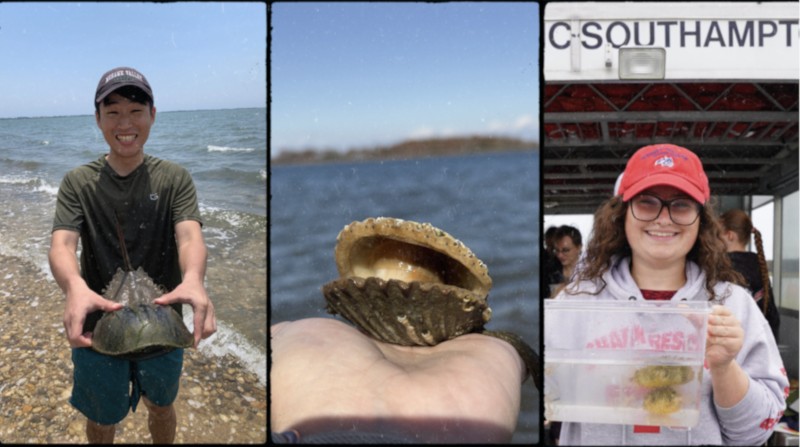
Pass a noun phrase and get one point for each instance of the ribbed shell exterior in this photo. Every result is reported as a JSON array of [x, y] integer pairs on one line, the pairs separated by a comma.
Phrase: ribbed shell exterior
[[411, 314]]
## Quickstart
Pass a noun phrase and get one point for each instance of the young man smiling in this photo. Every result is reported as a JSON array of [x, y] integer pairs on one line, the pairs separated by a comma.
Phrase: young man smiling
[[156, 204]]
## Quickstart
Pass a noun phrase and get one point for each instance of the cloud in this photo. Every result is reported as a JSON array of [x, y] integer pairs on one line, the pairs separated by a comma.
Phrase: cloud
[[520, 124], [427, 132], [422, 132], [525, 122]]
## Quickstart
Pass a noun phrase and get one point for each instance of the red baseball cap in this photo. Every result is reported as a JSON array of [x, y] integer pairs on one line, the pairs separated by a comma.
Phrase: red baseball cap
[[665, 164]]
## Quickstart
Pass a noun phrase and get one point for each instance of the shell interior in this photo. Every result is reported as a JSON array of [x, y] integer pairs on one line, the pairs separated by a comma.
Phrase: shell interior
[[390, 248]]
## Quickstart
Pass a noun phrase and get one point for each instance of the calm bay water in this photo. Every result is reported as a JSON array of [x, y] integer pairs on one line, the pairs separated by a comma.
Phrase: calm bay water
[[488, 201], [226, 153]]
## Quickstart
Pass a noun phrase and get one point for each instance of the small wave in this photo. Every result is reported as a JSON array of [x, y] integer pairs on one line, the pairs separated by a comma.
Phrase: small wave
[[46, 188], [228, 341], [231, 185], [21, 165], [17, 180], [36, 183], [234, 219], [45, 142], [33, 250], [218, 240], [229, 149]]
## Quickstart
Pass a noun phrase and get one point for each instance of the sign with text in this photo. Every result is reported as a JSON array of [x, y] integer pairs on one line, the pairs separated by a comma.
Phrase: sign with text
[[702, 40]]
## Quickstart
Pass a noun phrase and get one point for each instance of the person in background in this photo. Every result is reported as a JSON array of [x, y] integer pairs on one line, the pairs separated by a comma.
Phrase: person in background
[[551, 266], [737, 228], [552, 277], [568, 247], [660, 239]]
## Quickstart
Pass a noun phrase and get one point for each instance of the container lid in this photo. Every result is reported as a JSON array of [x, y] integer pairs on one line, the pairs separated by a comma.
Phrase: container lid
[[591, 305]]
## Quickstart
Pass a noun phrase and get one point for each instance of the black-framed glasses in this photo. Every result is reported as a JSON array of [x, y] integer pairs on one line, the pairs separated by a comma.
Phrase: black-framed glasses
[[682, 211]]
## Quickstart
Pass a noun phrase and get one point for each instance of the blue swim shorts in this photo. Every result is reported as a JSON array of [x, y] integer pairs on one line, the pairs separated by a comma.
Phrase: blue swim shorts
[[105, 387]]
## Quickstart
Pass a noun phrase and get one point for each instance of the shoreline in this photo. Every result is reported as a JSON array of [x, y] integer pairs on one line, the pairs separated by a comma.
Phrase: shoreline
[[219, 401], [407, 150]]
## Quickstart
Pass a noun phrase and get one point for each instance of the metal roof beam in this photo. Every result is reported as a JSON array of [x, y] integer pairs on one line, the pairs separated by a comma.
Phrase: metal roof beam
[[691, 116], [610, 175], [622, 162], [639, 142]]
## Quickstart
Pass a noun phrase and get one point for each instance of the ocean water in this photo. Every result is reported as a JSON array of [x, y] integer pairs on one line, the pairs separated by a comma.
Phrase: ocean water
[[490, 202], [226, 153]]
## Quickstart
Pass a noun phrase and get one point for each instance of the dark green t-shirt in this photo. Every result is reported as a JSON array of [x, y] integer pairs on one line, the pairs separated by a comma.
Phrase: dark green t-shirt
[[149, 202]]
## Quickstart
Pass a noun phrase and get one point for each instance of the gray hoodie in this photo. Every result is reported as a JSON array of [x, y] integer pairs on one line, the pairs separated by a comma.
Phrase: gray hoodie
[[750, 422]]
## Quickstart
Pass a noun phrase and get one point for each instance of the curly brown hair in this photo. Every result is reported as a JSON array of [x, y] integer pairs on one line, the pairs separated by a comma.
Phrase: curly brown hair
[[608, 239]]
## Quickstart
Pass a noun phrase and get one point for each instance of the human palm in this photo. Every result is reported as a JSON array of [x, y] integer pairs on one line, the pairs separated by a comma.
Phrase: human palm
[[327, 376]]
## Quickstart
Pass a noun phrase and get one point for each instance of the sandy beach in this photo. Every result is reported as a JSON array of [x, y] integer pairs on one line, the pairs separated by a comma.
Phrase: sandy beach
[[218, 402]]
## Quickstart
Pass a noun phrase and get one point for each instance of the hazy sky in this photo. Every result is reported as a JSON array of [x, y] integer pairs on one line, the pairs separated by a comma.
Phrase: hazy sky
[[356, 74], [195, 55]]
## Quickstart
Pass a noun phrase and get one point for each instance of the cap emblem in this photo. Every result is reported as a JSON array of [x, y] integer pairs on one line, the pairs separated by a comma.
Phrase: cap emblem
[[665, 161]]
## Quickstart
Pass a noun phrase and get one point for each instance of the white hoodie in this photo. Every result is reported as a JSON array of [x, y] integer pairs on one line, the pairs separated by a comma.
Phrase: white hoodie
[[750, 422]]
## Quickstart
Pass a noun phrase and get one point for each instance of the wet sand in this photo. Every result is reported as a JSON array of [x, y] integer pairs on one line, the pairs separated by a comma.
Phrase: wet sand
[[218, 402]]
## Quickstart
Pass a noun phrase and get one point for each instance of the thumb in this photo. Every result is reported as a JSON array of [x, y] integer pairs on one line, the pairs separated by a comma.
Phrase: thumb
[[165, 299], [108, 305]]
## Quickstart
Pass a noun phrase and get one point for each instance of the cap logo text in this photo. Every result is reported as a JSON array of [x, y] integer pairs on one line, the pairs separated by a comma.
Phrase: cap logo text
[[119, 73]]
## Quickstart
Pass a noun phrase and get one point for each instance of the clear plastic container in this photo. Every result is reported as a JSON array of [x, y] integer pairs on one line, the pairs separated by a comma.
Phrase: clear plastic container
[[624, 362]]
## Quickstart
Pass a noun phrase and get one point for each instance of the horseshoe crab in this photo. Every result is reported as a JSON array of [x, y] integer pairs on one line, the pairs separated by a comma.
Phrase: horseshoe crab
[[141, 329], [412, 284]]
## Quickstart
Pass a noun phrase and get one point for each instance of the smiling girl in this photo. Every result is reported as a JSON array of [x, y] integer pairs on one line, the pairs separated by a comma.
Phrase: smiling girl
[[659, 239]]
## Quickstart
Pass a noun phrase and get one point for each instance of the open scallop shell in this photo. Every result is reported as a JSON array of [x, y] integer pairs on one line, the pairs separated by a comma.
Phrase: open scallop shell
[[407, 283]]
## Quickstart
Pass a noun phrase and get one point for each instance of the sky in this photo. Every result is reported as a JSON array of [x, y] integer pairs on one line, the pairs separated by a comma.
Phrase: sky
[[196, 56], [355, 75]]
